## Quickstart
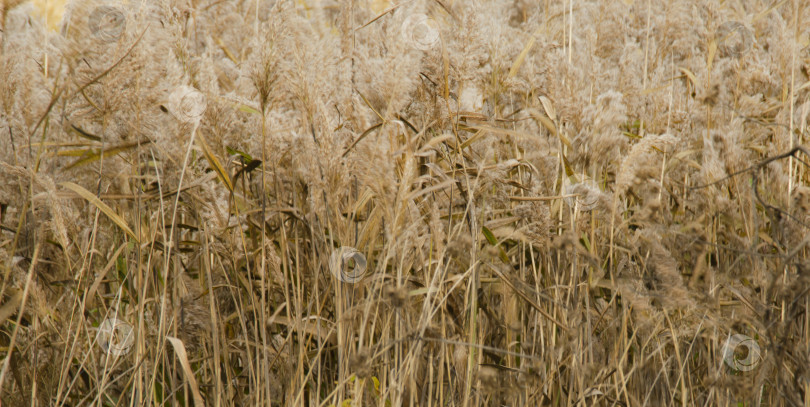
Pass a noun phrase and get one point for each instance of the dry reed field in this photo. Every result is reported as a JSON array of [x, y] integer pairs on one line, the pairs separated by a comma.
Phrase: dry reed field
[[404, 203]]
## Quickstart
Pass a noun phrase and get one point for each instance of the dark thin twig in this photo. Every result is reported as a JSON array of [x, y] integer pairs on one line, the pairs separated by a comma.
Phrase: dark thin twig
[[791, 153], [362, 136], [771, 207], [83, 87], [758, 165]]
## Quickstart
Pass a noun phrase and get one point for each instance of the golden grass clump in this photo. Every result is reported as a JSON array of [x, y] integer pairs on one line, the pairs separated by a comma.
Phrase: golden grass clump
[[418, 203]]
